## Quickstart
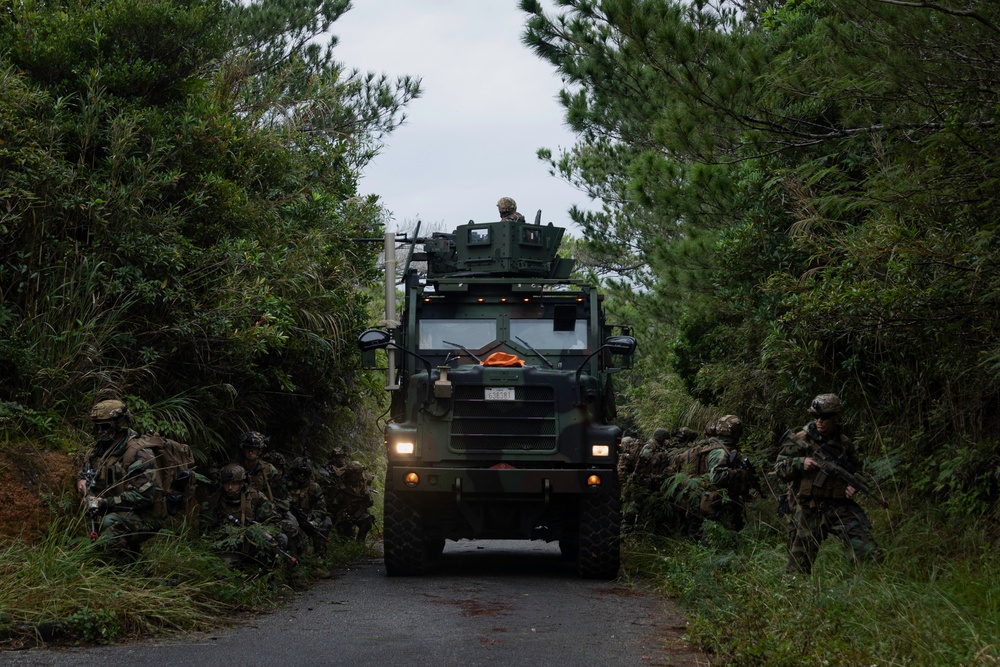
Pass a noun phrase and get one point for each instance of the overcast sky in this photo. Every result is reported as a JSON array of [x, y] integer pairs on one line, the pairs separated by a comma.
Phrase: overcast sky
[[488, 105]]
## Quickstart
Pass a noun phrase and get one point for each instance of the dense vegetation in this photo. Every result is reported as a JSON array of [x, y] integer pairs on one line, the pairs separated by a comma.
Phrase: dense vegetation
[[795, 197], [178, 203], [178, 215], [798, 198]]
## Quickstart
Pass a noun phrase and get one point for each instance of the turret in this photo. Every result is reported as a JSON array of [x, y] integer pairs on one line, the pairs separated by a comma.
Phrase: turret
[[508, 248]]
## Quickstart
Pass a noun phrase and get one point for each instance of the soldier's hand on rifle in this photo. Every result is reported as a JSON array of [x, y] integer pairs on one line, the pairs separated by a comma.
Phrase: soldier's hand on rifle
[[809, 463], [850, 491], [95, 504]]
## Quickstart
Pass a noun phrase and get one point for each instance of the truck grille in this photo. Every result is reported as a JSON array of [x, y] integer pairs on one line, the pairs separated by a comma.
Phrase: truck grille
[[527, 423]]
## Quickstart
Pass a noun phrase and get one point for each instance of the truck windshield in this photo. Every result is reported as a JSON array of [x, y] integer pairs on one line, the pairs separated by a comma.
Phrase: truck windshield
[[471, 334], [541, 335]]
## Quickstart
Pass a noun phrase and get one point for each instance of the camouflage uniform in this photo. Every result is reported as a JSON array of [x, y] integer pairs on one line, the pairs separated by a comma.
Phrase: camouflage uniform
[[228, 520], [508, 210], [626, 460], [720, 484], [644, 482], [265, 479], [120, 478], [355, 493], [819, 502], [307, 498]]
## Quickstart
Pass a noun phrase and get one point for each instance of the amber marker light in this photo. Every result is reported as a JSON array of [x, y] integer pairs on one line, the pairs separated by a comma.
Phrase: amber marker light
[[411, 479], [600, 450], [404, 447], [594, 481]]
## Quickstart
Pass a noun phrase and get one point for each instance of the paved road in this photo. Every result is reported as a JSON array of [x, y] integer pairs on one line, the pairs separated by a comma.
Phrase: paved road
[[482, 603]]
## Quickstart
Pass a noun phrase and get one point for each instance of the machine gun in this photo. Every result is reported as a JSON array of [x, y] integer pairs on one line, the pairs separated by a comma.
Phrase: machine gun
[[307, 524], [270, 538], [832, 468]]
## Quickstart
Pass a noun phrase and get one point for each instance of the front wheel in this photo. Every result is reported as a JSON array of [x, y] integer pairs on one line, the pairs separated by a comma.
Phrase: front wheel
[[599, 555], [403, 546]]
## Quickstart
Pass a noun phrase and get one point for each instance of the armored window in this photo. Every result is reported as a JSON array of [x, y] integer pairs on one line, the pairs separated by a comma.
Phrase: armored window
[[471, 334], [479, 236], [531, 236], [541, 334]]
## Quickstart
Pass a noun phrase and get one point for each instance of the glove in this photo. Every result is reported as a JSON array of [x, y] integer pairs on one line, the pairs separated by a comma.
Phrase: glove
[[95, 504]]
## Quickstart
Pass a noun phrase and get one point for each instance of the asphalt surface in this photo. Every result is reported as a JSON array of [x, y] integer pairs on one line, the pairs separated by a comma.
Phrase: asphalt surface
[[481, 603]]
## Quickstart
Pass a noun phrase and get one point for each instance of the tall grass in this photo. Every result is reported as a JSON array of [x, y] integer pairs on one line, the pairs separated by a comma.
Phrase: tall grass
[[64, 587], [746, 610]]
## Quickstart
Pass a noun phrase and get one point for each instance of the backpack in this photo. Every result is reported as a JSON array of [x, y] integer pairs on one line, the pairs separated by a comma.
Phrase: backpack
[[692, 461], [175, 500]]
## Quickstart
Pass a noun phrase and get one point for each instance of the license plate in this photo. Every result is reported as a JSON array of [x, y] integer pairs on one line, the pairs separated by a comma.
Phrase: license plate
[[499, 393]]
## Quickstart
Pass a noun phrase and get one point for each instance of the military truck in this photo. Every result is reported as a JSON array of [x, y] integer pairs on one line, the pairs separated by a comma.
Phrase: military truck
[[502, 406]]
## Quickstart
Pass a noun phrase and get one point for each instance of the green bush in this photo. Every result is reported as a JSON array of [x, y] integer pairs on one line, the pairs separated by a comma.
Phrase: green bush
[[931, 602]]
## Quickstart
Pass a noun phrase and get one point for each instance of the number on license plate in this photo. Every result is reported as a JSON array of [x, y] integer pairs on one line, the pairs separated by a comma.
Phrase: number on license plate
[[499, 393]]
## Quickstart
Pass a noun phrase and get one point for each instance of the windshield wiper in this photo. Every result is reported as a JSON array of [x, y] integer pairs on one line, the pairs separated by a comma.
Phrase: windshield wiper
[[463, 349], [528, 345]]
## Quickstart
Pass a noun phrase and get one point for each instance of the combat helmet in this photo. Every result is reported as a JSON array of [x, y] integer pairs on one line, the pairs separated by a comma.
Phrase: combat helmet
[[232, 472], [277, 459], [109, 417], [337, 457], [660, 435], [826, 404], [684, 434], [254, 440], [300, 468], [506, 205], [729, 426]]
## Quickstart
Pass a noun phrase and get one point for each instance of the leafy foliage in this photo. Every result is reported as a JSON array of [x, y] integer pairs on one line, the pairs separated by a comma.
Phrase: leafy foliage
[[177, 208], [803, 194], [928, 604]]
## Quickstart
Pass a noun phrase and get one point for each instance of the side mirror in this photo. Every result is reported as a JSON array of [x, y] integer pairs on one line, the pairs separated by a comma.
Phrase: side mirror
[[620, 344], [373, 339]]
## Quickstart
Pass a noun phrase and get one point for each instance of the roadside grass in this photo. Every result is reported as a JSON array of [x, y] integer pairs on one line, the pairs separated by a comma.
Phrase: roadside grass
[[64, 588], [934, 600]]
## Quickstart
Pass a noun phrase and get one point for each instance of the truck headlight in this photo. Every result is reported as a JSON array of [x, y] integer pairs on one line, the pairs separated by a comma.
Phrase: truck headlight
[[403, 447], [600, 450]]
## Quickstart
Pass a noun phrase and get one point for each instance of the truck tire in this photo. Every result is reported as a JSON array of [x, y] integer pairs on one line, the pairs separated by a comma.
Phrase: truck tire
[[402, 539], [600, 536]]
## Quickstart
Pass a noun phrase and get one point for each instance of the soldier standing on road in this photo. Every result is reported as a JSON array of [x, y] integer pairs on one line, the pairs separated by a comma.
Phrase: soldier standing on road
[[508, 210], [118, 481], [821, 503]]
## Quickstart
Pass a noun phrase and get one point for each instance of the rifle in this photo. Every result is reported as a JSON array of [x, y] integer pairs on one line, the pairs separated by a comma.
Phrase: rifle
[[270, 538], [831, 468], [309, 526], [93, 506], [752, 477]]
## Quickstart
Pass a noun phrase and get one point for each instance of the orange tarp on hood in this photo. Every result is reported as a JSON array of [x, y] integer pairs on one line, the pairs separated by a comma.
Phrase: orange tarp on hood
[[502, 359]]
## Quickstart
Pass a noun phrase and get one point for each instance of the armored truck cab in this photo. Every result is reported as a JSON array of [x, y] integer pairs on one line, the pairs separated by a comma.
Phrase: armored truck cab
[[501, 420]]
